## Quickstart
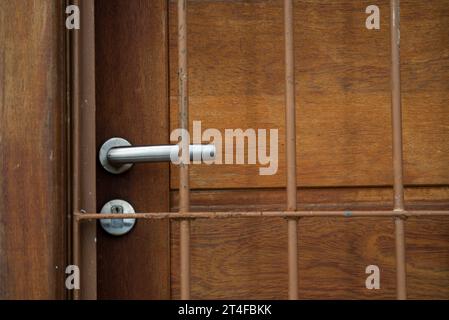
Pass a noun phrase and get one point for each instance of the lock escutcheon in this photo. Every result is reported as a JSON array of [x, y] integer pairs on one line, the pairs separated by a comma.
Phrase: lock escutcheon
[[117, 227]]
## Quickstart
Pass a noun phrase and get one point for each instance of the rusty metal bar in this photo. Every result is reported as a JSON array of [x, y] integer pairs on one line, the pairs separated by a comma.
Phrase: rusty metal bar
[[84, 150], [401, 275], [290, 136], [401, 284], [76, 251], [184, 189], [396, 105], [268, 214], [75, 150], [70, 207]]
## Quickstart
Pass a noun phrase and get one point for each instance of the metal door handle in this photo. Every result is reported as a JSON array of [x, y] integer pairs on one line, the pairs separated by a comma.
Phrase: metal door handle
[[117, 155]]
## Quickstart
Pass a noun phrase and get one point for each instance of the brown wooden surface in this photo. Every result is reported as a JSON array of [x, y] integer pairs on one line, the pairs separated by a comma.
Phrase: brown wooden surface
[[343, 139], [244, 259], [236, 66], [132, 102], [332, 254], [247, 258], [420, 198], [32, 150], [83, 165], [236, 72]]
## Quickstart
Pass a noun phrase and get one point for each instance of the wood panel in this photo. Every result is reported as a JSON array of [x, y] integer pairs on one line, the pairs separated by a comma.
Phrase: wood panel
[[418, 198], [247, 259], [236, 69], [132, 102], [343, 140], [32, 144], [425, 66]]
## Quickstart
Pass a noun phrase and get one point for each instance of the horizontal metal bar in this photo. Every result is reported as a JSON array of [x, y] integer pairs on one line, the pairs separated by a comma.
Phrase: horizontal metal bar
[[266, 214], [158, 153]]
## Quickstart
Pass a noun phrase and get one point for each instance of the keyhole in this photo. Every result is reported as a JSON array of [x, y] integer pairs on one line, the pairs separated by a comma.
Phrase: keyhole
[[117, 209], [118, 226], [117, 223]]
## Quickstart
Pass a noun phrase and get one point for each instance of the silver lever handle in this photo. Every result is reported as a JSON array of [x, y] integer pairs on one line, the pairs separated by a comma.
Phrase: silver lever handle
[[117, 155]]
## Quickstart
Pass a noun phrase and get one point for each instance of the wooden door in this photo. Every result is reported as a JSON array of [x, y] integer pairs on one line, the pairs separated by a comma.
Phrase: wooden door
[[236, 80], [132, 102]]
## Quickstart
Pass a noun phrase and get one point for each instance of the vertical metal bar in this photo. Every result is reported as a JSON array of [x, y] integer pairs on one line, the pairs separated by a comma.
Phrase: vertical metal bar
[[84, 150], [184, 189], [291, 150], [76, 251], [397, 147], [293, 259], [68, 141], [401, 275], [75, 150], [185, 259], [396, 105]]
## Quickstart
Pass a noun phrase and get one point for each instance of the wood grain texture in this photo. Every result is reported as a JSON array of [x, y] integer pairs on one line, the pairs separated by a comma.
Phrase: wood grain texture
[[247, 258], [425, 87], [32, 144], [343, 140], [417, 198], [236, 81], [343, 93], [132, 102]]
